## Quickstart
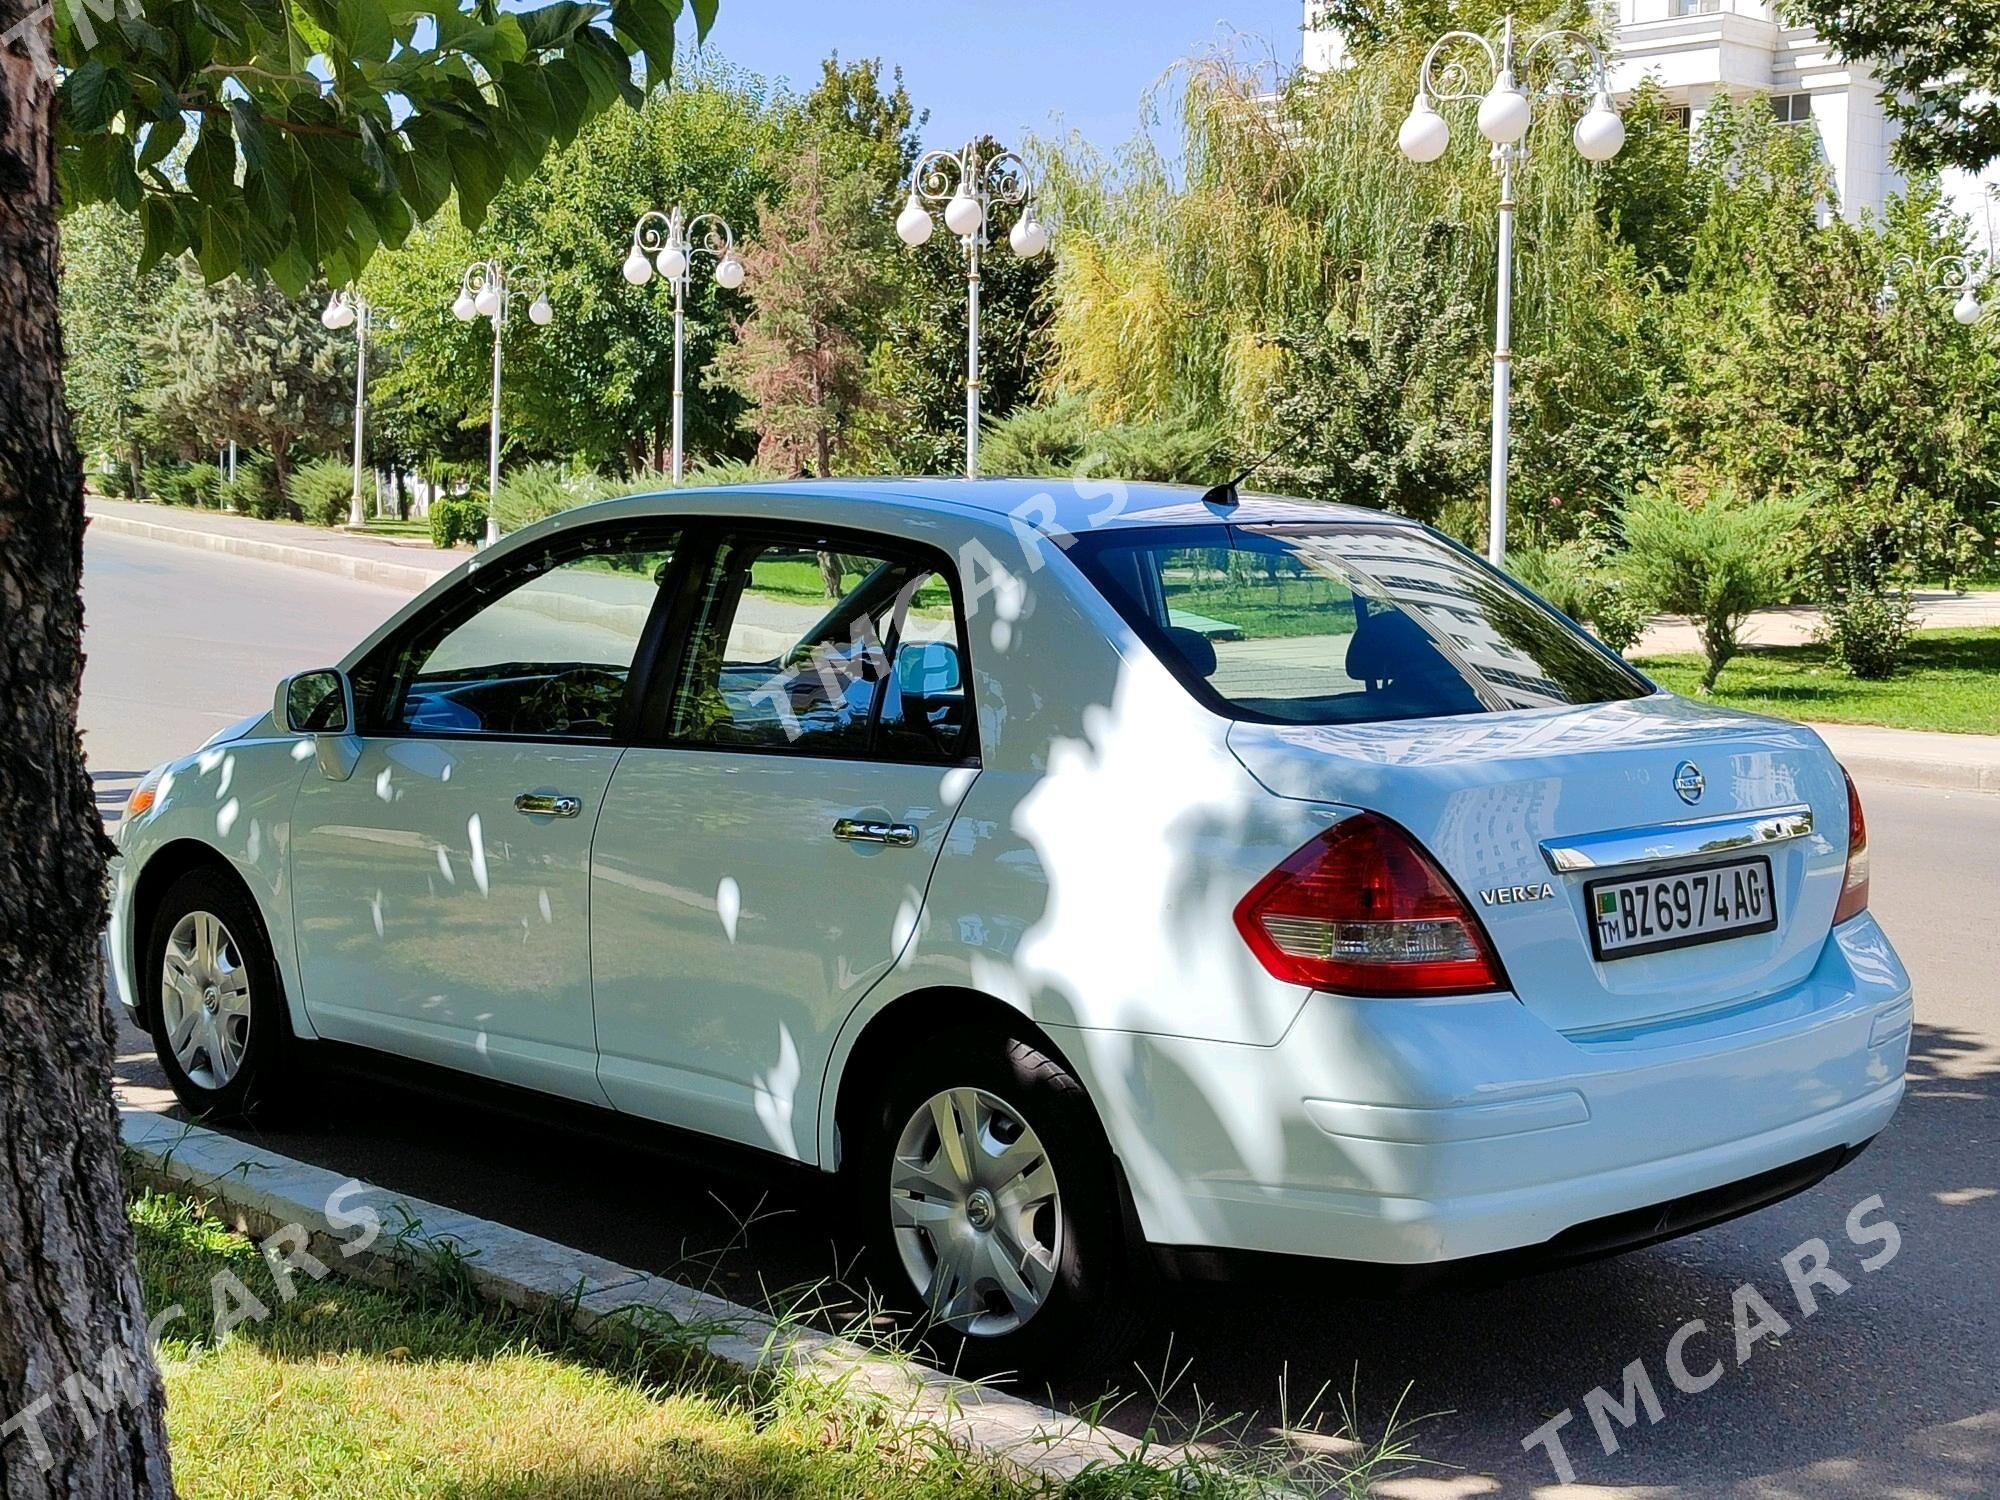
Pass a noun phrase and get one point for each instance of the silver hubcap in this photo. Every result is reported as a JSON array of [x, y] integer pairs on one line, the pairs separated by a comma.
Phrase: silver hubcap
[[205, 999], [977, 1218]]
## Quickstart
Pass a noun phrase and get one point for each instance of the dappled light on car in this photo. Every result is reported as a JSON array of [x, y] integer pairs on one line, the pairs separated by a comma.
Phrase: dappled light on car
[[476, 842], [728, 904]]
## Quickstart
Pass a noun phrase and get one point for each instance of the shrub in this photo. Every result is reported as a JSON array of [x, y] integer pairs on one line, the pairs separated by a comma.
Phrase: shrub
[[1865, 631], [165, 483], [203, 484], [1578, 578], [720, 471], [1714, 560], [1060, 439], [456, 519], [254, 491], [323, 490], [114, 478]]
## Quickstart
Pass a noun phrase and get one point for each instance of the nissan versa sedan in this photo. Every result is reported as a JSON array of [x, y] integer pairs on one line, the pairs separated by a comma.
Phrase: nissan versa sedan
[[1096, 879]]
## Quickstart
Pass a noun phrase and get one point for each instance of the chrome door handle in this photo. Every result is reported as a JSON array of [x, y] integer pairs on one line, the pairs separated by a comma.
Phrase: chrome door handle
[[548, 805], [867, 831]]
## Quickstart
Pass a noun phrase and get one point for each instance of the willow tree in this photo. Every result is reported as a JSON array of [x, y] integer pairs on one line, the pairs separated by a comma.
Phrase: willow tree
[[1193, 281], [312, 132]]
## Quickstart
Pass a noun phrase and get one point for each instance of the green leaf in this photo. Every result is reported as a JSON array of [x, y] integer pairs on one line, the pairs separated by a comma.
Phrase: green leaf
[[126, 190], [704, 17], [378, 148], [211, 165], [650, 24], [161, 230], [569, 97], [476, 172], [362, 28], [267, 180], [161, 138], [615, 68], [320, 204], [291, 270], [221, 252], [91, 97], [426, 174], [552, 25]]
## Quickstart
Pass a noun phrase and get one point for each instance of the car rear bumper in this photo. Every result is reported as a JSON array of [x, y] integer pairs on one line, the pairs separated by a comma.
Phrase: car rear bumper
[[1411, 1133]]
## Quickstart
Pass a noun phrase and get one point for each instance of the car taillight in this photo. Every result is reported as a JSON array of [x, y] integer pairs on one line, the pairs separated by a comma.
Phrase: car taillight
[[1362, 910], [1854, 890]]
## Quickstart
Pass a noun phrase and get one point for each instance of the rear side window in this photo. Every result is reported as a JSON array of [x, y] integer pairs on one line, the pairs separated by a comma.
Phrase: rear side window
[[1344, 624], [830, 648]]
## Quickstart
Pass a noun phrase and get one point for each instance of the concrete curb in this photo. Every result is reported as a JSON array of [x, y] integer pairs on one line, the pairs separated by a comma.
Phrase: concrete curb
[[259, 1192], [393, 575], [1945, 762]]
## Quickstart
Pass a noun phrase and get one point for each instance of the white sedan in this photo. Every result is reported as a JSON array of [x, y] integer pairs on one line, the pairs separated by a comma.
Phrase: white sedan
[[1097, 882]]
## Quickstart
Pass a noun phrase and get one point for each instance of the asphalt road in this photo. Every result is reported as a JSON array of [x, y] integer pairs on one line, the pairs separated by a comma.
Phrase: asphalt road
[[1892, 1388]]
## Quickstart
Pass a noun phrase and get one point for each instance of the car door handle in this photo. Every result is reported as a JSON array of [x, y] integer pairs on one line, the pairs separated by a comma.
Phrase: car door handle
[[548, 805], [868, 831]]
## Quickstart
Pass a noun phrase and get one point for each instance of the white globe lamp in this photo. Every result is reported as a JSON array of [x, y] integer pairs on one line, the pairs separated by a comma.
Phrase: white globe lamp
[[963, 215], [487, 303], [638, 270], [464, 309], [729, 273], [1600, 134], [1028, 238], [1424, 135], [540, 313], [1503, 113], [1966, 308], [673, 260], [913, 224]]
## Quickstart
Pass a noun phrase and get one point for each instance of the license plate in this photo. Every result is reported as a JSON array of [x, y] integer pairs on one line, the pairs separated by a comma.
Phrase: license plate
[[1635, 914]]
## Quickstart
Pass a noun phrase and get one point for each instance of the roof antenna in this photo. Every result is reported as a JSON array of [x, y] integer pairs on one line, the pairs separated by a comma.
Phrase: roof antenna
[[1224, 494]]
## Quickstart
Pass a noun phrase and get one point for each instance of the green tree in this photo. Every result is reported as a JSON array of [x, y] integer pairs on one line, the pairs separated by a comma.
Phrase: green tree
[[243, 361], [819, 282], [1939, 70], [914, 420], [319, 131], [106, 310]]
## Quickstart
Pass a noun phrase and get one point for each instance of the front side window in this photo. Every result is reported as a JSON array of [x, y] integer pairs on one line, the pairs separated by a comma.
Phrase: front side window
[[813, 647], [544, 651], [1344, 624]]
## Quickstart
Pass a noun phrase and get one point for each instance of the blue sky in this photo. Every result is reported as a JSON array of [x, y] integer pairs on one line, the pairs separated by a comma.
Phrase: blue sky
[[982, 67]]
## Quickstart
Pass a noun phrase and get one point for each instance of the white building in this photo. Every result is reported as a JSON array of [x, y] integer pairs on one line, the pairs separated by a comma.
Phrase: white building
[[1697, 49]]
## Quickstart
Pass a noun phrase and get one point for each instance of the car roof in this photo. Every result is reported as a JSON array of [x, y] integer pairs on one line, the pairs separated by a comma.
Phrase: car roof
[[1070, 504]]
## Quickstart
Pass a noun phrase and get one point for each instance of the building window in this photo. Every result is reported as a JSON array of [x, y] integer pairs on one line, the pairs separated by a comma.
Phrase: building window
[[1696, 7], [1680, 115], [1792, 109]]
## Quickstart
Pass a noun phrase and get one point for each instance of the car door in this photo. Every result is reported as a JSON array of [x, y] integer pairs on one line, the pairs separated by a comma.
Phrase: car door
[[763, 864], [441, 893]]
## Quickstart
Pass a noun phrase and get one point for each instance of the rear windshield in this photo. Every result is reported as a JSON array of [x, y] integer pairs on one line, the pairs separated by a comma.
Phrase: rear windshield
[[1344, 624]]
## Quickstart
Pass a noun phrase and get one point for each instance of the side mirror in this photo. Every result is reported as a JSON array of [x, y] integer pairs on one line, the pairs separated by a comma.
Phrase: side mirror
[[928, 669], [321, 703], [316, 702]]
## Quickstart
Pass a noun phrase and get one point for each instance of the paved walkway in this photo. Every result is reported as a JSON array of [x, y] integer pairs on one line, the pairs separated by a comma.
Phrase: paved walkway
[[403, 562], [1795, 624]]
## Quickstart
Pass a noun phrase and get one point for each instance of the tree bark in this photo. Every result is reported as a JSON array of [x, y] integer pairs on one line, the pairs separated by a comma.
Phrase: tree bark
[[81, 1409]]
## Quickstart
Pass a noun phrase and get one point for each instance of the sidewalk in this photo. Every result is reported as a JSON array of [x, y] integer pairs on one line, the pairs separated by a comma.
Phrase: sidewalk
[[1954, 762], [402, 563], [1794, 625]]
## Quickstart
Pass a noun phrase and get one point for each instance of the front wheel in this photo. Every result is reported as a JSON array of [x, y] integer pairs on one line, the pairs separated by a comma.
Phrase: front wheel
[[993, 1201], [218, 1007]]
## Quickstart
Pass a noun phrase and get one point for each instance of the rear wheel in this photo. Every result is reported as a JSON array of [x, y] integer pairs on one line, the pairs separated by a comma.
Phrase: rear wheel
[[218, 1007], [993, 1205]]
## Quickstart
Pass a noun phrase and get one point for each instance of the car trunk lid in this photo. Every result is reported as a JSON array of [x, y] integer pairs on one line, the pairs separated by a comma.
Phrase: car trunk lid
[[1524, 810]]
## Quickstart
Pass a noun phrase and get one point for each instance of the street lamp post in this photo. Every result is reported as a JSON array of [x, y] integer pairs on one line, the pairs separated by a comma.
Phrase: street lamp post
[[669, 239], [1948, 273], [1572, 67], [351, 310], [970, 189], [486, 290]]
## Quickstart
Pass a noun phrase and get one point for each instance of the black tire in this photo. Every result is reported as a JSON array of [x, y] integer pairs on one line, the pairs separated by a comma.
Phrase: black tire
[[270, 1056], [1092, 1310]]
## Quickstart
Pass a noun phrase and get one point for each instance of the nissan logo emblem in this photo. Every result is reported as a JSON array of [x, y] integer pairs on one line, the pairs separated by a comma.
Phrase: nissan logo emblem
[[1688, 782]]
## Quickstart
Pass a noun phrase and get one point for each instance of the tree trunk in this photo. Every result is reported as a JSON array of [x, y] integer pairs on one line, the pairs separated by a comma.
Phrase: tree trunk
[[81, 1409]]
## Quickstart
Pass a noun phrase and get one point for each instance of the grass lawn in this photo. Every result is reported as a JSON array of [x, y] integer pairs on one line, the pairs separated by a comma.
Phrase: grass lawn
[[350, 1389], [1950, 680]]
